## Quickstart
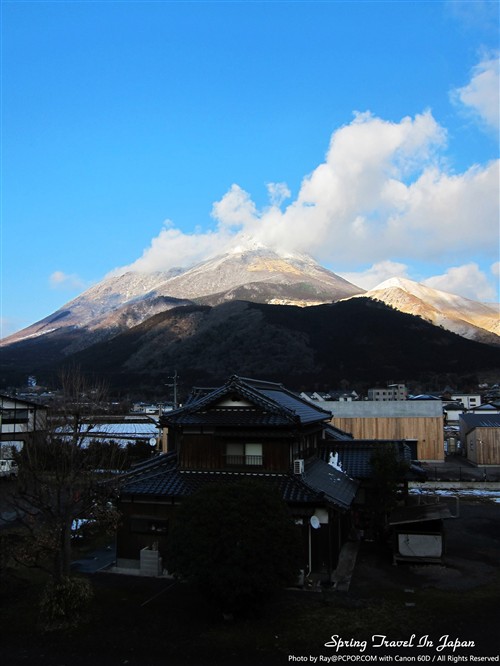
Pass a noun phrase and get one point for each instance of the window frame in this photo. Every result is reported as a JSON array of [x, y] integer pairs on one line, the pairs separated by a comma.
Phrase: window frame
[[238, 454]]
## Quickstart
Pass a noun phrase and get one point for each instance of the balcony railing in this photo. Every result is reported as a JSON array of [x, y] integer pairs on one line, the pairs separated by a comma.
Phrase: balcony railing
[[239, 461]]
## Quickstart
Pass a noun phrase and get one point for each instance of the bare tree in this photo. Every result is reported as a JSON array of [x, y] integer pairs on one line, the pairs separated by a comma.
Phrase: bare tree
[[62, 482]]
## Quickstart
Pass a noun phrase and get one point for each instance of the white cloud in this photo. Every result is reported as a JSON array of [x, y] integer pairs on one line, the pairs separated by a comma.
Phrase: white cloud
[[373, 276], [467, 280], [495, 269], [482, 94], [278, 193], [173, 248], [235, 209], [61, 280], [447, 214], [381, 195]]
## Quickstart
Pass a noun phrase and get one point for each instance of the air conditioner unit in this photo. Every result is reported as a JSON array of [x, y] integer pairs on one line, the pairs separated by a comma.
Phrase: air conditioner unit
[[298, 467]]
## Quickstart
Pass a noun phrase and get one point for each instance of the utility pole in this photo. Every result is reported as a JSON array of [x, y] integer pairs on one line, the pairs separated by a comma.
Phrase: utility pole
[[174, 386]]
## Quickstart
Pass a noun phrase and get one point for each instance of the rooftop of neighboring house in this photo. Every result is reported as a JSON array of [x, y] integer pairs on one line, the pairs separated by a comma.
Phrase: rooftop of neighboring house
[[15, 400], [377, 409], [122, 432], [331, 395], [480, 420], [355, 457], [487, 407]]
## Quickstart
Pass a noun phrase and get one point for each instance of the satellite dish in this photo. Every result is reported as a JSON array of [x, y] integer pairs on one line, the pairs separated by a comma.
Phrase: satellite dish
[[314, 520]]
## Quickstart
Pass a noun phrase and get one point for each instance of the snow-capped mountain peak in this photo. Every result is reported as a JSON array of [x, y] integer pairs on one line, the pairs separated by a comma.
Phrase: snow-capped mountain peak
[[250, 271], [471, 319]]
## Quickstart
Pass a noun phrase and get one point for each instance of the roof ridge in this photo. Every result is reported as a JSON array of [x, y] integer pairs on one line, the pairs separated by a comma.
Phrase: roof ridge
[[260, 382], [149, 465], [221, 472]]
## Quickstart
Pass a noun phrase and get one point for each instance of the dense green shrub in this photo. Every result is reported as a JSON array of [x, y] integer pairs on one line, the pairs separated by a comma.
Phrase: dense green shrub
[[237, 542]]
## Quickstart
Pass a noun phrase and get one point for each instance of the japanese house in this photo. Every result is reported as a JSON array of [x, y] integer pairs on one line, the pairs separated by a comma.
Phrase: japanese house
[[244, 429]]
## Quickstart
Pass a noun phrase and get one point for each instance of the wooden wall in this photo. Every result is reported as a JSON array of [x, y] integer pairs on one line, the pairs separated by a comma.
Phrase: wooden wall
[[208, 452], [428, 431], [483, 446]]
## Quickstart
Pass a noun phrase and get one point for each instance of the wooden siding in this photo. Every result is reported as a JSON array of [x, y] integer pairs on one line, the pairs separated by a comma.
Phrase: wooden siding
[[200, 452], [208, 452], [428, 432], [483, 446]]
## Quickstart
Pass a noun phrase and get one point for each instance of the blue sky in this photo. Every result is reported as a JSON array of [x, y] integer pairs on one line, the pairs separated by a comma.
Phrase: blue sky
[[145, 135]]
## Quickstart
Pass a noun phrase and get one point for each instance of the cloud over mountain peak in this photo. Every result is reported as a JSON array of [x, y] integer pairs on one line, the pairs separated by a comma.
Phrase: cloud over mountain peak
[[382, 194]]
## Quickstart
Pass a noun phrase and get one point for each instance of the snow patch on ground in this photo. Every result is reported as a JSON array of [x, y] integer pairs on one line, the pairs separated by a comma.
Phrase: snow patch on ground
[[492, 495]]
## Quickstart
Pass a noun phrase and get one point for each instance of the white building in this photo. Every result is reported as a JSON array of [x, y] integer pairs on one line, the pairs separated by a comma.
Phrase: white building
[[468, 400], [389, 393], [19, 419]]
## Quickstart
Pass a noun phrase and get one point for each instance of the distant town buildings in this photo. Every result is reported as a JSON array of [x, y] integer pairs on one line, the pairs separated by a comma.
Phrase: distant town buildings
[[389, 393]]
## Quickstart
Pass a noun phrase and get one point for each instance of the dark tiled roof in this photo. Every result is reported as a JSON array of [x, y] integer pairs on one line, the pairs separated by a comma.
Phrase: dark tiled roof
[[306, 411], [355, 456], [162, 478], [481, 420], [273, 405], [336, 434], [179, 484], [338, 488], [156, 465], [228, 417]]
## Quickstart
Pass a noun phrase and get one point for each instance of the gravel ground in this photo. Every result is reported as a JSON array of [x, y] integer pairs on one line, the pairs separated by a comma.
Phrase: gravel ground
[[472, 555]]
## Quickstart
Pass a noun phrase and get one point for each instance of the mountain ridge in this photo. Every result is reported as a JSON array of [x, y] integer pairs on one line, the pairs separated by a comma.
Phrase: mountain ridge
[[354, 340], [136, 296], [119, 315], [468, 318]]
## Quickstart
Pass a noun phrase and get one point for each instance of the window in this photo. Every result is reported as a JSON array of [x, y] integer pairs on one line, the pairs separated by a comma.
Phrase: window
[[244, 454], [14, 415], [253, 454]]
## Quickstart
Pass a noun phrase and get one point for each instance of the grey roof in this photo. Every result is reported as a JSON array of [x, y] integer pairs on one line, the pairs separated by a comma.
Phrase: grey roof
[[336, 434], [272, 404], [9, 398], [419, 513], [355, 456], [392, 408], [338, 488], [481, 420], [161, 479], [487, 407]]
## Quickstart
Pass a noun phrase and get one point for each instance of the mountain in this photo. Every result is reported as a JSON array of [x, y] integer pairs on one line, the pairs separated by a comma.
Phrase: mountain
[[239, 313], [118, 303], [358, 340], [470, 319], [260, 275]]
